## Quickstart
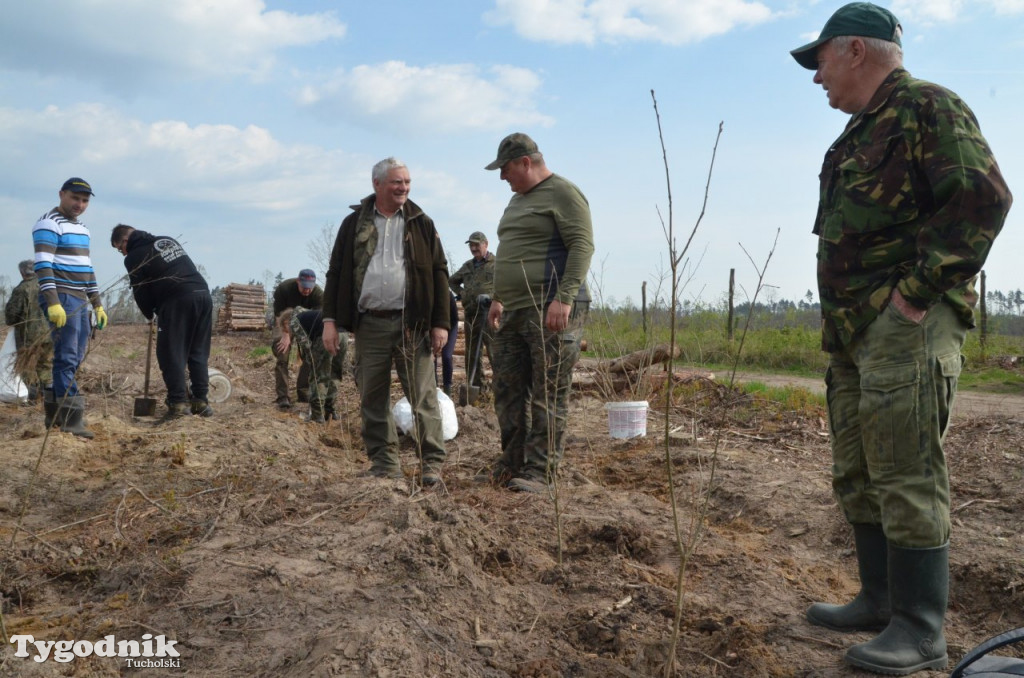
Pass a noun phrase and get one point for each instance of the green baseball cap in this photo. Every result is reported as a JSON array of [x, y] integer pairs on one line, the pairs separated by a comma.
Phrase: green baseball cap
[[862, 19], [477, 236], [515, 145]]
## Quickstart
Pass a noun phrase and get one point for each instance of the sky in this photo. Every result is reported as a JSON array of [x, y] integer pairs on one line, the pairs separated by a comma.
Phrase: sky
[[246, 128]]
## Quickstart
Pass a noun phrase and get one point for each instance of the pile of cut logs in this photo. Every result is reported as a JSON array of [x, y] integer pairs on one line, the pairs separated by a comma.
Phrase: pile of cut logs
[[245, 308]]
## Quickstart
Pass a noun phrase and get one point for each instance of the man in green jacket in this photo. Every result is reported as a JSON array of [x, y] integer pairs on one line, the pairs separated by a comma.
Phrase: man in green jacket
[[388, 284], [31, 332], [471, 282], [545, 243], [911, 199]]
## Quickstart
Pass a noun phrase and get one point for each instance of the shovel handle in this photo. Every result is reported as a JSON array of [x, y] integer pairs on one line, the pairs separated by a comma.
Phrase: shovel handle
[[149, 358]]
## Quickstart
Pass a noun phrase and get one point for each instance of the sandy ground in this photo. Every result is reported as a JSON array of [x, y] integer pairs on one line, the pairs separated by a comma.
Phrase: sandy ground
[[252, 541]]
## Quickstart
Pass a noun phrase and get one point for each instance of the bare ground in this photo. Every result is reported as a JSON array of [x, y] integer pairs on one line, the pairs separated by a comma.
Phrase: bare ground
[[251, 539]]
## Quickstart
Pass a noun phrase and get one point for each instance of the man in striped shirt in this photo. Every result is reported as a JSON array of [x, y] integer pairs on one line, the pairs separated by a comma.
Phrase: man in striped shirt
[[67, 286]]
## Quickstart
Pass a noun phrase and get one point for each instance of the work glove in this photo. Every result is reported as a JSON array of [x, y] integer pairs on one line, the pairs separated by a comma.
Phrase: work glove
[[101, 318], [57, 315]]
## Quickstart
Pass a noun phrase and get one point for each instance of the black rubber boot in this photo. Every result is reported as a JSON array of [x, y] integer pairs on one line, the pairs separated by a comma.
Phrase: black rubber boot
[[201, 408], [49, 407], [918, 593], [317, 411], [70, 415], [869, 610], [176, 411]]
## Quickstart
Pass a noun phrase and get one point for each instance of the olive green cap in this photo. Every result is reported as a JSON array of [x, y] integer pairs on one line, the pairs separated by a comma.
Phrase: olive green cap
[[477, 236], [862, 19], [515, 145]]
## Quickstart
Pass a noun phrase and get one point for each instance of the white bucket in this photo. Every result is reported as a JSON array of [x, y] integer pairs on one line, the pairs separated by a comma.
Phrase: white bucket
[[627, 420]]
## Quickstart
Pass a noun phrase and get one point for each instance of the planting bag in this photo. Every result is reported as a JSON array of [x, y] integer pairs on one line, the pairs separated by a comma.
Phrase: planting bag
[[12, 388], [402, 412]]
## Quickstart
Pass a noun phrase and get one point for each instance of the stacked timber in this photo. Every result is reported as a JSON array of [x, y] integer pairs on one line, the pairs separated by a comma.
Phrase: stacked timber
[[245, 308]]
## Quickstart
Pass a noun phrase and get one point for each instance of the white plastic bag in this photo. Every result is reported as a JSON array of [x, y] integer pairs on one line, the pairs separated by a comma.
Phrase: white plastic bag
[[402, 412], [12, 388]]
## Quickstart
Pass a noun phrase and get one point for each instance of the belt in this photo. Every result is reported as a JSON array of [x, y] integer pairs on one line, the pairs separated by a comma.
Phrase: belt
[[386, 313]]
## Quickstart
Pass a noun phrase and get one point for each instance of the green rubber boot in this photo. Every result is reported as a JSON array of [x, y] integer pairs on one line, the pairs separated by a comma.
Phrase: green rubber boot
[[869, 610], [70, 415], [918, 593]]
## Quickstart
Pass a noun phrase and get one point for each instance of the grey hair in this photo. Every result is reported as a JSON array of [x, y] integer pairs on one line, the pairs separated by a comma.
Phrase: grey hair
[[883, 51], [381, 169], [26, 268]]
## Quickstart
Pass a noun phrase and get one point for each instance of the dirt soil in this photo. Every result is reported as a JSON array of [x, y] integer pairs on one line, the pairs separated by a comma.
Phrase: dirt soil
[[251, 539]]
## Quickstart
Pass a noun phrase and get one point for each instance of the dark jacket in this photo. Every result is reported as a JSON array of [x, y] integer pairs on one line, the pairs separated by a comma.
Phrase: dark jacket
[[426, 270], [159, 270], [287, 295]]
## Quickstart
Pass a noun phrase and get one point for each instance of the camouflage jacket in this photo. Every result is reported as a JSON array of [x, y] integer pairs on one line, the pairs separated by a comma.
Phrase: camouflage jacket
[[911, 198], [472, 280], [25, 315]]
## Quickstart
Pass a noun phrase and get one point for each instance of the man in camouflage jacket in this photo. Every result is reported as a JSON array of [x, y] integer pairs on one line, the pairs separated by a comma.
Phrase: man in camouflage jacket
[[473, 280], [305, 328], [911, 199], [31, 332]]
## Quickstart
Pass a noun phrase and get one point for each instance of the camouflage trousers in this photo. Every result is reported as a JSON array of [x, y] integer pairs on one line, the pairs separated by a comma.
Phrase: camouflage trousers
[[890, 393], [324, 368], [532, 377]]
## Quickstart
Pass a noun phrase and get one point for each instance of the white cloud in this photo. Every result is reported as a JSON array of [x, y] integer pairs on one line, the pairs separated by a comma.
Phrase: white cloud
[[442, 98], [170, 160], [948, 11], [125, 42], [672, 22]]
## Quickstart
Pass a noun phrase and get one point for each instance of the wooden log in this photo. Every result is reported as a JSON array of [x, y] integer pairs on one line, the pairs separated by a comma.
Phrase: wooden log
[[638, 360]]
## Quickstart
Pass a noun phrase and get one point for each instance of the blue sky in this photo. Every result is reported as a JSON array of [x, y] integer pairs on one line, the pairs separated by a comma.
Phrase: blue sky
[[246, 127]]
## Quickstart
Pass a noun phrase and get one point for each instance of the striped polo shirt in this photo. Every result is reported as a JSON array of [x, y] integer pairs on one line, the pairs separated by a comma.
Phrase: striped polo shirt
[[62, 262]]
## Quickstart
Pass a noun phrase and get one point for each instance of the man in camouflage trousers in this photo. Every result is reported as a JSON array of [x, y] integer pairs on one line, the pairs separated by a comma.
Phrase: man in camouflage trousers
[[305, 329], [911, 200], [546, 241], [31, 332], [473, 280]]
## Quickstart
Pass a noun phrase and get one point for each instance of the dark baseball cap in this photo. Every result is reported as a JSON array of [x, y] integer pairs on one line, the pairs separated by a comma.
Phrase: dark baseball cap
[[477, 236], [862, 19], [515, 145], [77, 185], [307, 279]]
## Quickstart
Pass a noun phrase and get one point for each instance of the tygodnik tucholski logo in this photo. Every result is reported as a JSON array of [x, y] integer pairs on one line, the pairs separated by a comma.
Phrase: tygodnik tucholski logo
[[150, 652]]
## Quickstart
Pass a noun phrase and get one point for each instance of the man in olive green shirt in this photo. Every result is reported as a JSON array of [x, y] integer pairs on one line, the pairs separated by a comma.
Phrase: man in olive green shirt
[[545, 243]]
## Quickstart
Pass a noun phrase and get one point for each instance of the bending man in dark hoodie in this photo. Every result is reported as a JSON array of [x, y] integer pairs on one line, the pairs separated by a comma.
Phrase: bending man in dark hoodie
[[166, 282]]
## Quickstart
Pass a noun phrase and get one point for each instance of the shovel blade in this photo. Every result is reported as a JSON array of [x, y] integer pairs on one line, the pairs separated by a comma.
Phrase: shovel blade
[[468, 395], [144, 407]]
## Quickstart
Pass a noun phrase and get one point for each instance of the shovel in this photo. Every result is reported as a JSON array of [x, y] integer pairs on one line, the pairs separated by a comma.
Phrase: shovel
[[146, 406]]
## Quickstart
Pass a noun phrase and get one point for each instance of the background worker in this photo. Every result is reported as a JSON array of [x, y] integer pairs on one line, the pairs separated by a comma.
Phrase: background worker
[[545, 243], [303, 291], [67, 286], [305, 329], [167, 283], [31, 333], [473, 279], [911, 199]]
